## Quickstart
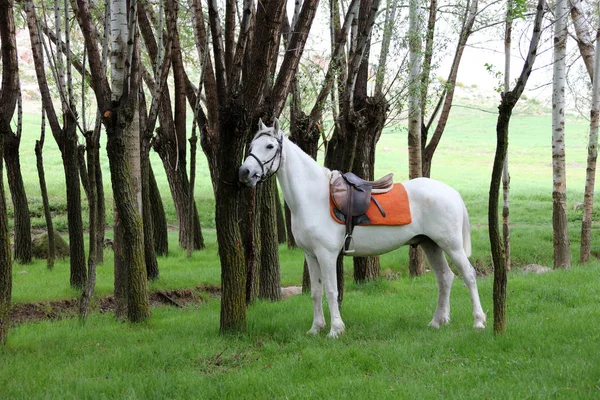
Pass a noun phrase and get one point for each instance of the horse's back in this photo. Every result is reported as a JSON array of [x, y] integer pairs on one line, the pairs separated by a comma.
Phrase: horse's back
[[438, 209]]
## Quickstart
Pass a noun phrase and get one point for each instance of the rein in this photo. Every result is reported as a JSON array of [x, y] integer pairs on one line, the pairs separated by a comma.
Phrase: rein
[[270, 173]]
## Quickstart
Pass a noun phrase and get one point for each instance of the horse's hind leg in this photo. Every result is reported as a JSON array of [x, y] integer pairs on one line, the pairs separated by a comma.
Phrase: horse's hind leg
[[316, 289], [444, 276], [459, 258]]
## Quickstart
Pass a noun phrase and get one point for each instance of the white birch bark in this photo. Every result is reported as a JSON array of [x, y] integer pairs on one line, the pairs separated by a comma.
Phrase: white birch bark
[[562, 258], [119, 35], [590, 176]]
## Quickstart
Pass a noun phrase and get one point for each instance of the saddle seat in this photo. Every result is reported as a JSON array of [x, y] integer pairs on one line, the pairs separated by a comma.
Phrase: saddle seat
[[352, 197]]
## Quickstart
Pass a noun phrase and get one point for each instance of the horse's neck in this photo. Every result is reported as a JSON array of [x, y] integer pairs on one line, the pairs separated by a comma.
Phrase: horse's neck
[[302, 179]]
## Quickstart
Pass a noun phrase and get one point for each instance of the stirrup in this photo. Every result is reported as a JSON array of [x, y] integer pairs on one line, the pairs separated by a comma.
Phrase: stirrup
[[347, 240]]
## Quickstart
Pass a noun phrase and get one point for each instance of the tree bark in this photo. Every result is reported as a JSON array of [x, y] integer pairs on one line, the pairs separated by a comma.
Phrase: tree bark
[[227, 197], [270, 280], [416, 261], [590, 176], [562, 246], [66, 138], [509, 100], [505, 172], [39, 146], [159, 220], [5, 256], [584, 36], [22, 222]]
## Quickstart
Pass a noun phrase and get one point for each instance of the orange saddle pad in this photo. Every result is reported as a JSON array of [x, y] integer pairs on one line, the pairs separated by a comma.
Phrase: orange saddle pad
[[394, 203]]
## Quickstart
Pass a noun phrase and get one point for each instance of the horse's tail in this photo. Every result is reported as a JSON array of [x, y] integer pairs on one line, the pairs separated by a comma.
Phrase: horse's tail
[[466, 231]]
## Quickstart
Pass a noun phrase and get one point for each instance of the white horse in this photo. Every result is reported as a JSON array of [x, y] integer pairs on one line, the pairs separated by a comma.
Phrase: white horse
[[439, 224]]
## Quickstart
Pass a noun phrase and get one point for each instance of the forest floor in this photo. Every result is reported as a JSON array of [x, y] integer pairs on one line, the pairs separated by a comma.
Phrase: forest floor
[[68, 308]]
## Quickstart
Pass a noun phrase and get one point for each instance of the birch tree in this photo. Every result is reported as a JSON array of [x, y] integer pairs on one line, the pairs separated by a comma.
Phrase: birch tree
[[562, 246], [119, 103], [590, 176]]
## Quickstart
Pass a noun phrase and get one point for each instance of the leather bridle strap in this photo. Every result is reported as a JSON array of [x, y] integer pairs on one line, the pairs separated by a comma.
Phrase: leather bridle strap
[[263, 176]]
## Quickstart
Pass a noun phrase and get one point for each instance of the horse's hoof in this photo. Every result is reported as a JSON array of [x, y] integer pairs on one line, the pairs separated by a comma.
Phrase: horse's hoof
[[313, 332], [437, 322], [334, 334], [336, 330], [479, 325]]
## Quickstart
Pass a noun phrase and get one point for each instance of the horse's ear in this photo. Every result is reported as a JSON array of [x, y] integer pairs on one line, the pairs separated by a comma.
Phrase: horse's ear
[[276, 127], [261, 125]]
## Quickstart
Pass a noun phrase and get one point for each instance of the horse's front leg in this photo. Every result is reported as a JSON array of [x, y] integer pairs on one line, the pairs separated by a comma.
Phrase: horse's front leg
[[316, 289], [327, 262]]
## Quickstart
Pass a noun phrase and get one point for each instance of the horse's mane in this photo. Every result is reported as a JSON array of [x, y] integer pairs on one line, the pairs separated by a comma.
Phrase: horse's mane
[[271, 132]]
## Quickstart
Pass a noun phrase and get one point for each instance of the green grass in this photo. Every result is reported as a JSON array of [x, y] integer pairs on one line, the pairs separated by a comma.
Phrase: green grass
[[548, 351]]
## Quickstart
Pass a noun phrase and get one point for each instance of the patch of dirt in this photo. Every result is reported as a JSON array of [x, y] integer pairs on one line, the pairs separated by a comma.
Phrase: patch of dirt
[[60, 309]]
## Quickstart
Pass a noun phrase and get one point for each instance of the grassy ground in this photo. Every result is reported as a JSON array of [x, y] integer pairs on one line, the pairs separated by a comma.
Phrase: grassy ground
[[549, 350]]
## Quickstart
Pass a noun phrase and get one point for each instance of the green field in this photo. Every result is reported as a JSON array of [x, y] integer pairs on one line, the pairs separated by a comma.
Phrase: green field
[[548, 351]]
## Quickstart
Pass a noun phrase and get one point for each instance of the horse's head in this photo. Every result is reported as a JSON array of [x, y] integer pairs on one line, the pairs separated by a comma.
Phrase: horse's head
[[264, 157]]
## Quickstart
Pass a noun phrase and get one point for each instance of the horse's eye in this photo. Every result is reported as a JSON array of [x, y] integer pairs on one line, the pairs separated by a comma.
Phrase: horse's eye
[[270, 146]]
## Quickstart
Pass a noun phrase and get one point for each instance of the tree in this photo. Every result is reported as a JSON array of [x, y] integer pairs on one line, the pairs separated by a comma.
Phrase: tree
[[7, 106], [590, 177], [509, 100], [119, 103], [12, 141], [562, 246], [66, 138], [238, 81], [39, 147], [505, 173], [416, 263]]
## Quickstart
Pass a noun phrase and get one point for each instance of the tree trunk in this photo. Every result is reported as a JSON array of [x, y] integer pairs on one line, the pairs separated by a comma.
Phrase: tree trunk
[[39, 145], [498, 254], [270, 281], [5, 256], [416, 262], [120, 269], [509, 100], [505, 173], [373, 113], [94, 143], [123, 151], [562, 246], [227, 197], [281, 227], [8, 100], [159, 220], [179, 185], [590, 176], [152, 270], [22, 240], [191, 200], [90, 284], [70, 163]]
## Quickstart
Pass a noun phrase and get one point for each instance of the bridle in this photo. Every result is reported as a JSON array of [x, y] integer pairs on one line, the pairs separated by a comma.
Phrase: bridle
[[264, 176]]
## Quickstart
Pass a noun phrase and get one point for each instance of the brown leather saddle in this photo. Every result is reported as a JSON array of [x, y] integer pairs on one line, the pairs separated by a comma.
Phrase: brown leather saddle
[[352, 197]]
